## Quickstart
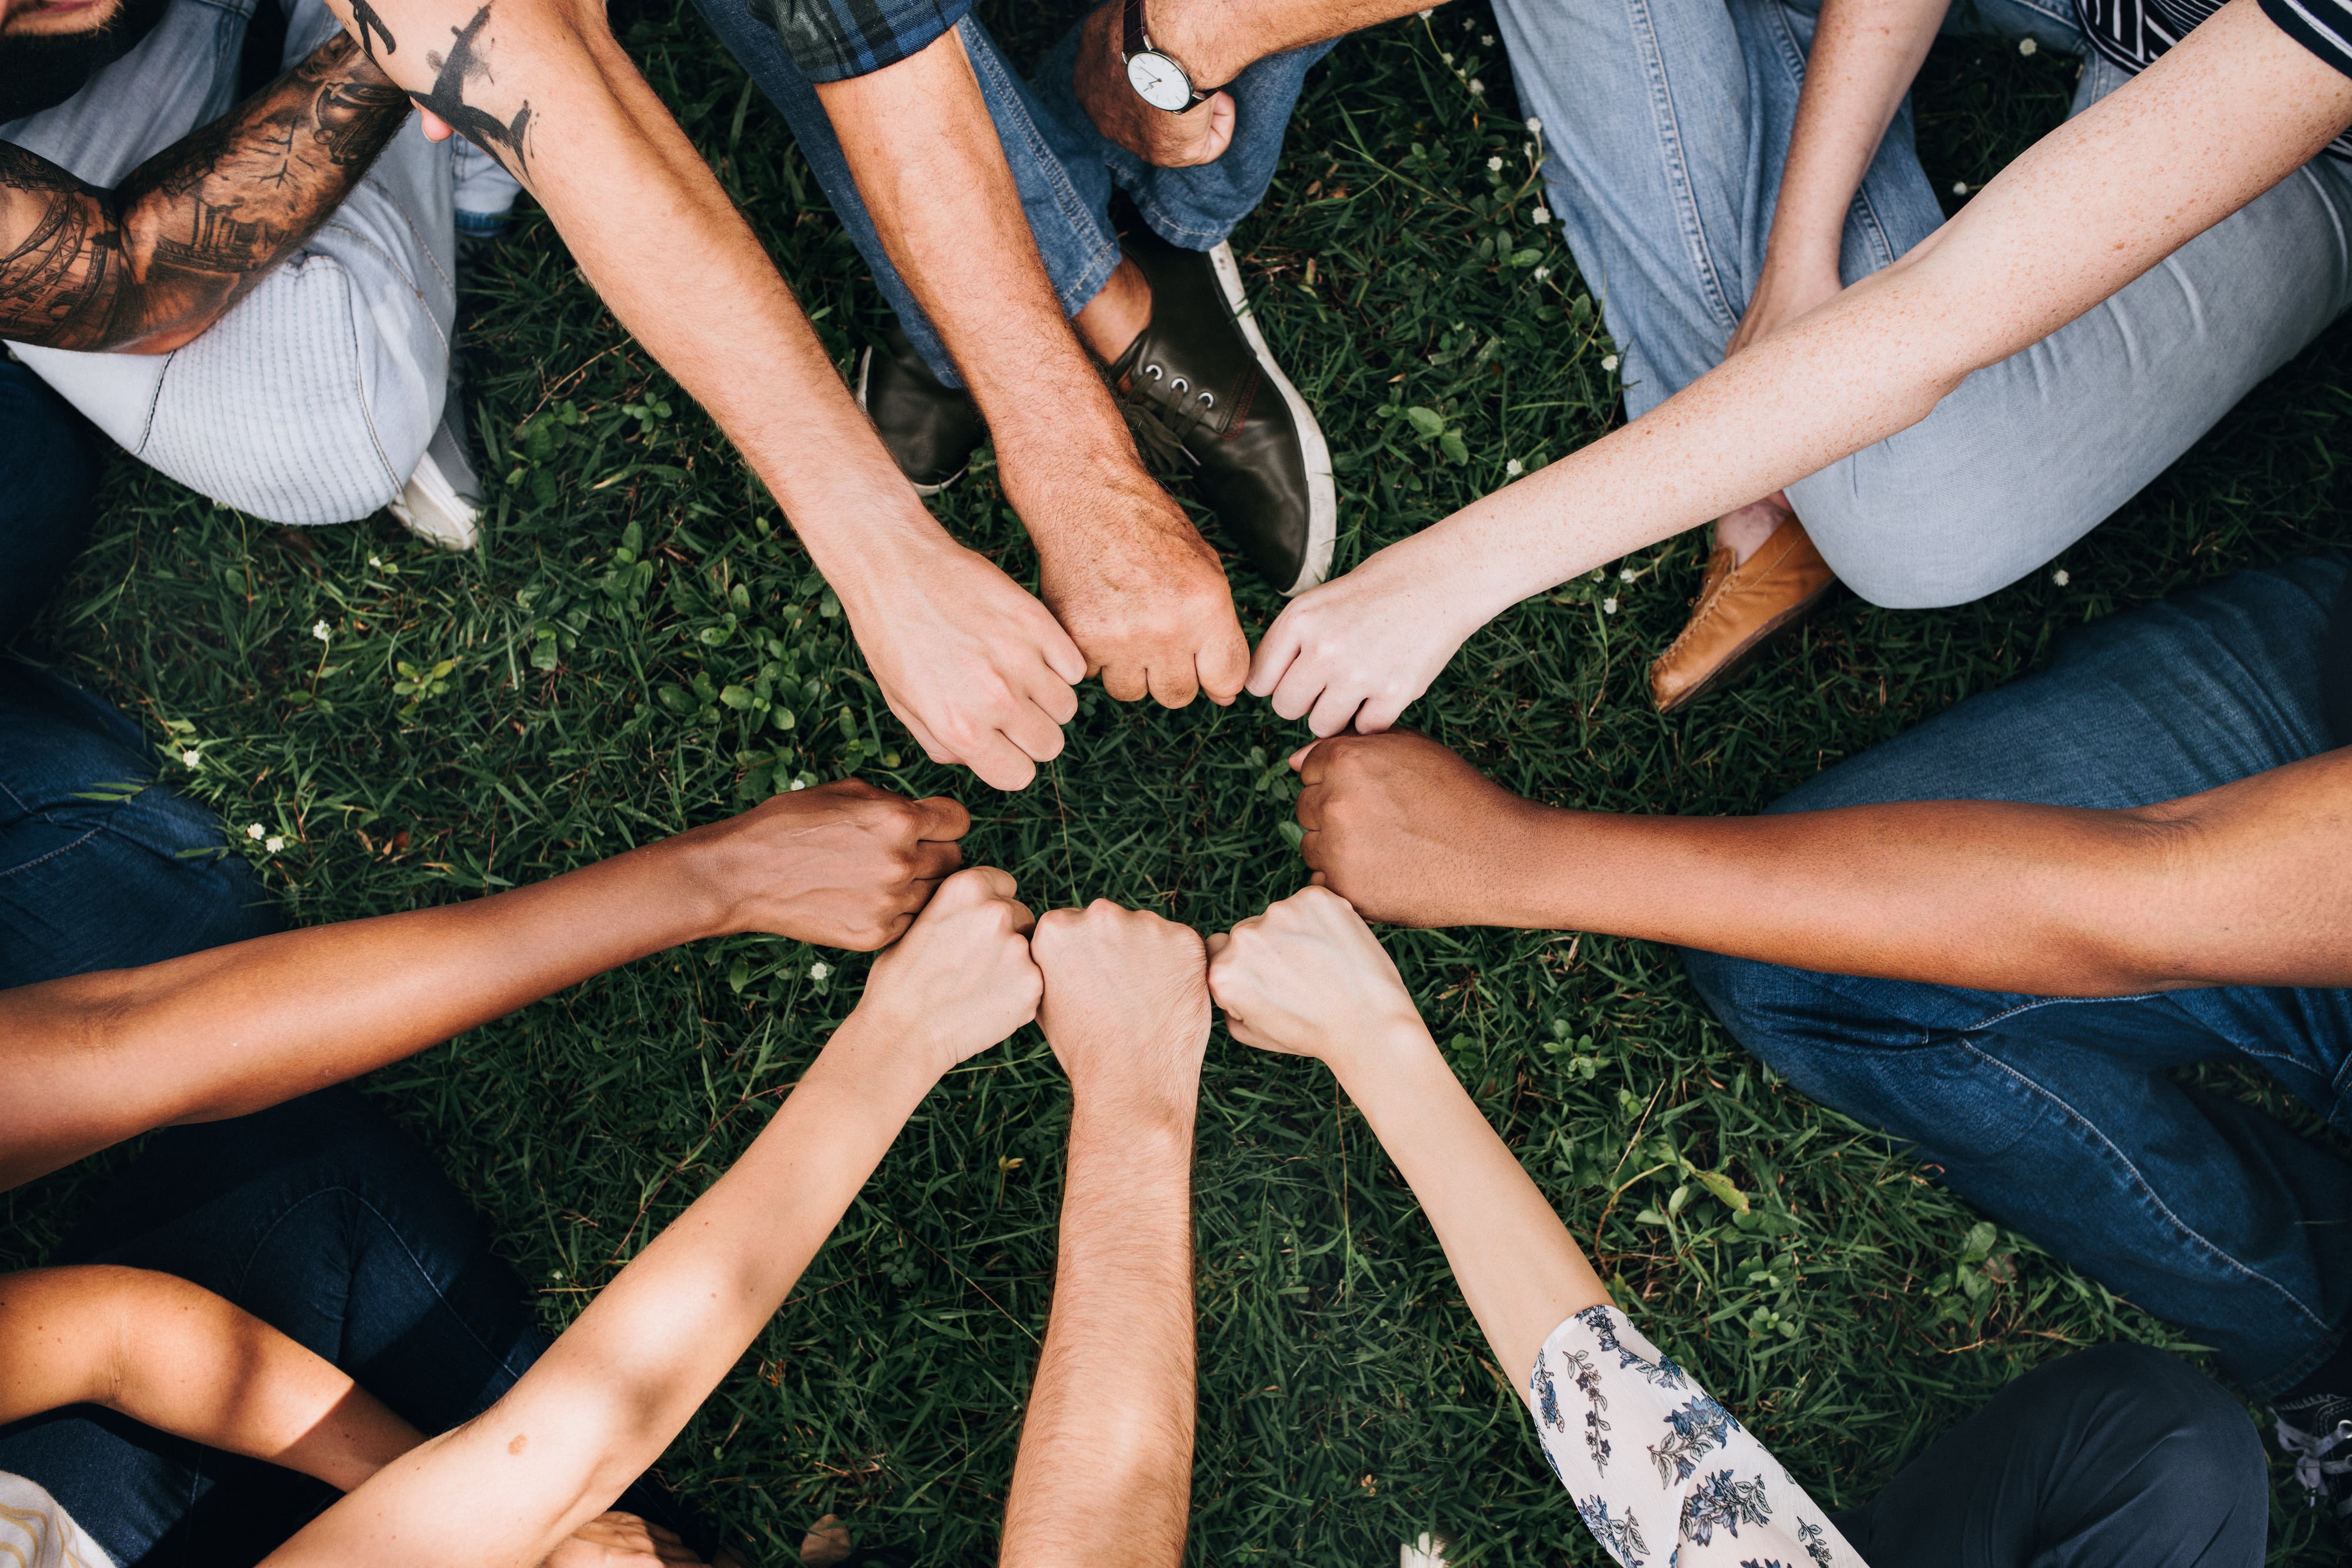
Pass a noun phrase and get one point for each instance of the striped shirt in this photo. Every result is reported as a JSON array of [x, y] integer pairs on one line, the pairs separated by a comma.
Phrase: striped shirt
[[2133, 33]]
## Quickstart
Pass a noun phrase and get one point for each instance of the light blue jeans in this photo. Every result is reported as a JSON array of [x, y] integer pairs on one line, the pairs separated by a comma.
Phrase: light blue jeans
[[1666, 124], [1065, 170], [312, 399]]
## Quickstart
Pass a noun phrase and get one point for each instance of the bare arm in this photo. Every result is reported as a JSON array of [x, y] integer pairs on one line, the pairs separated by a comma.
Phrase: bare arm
[[1307, 978], [1138, 589], [2229, 112], [1103, 1478], [2247, 884], [965, 658], [180, 1359], [94, 1059], [1864, 55], [145, 267], [605, 1401]]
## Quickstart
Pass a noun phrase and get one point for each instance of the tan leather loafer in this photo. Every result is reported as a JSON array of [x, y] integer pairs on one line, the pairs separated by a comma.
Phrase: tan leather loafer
[[1738, 611]]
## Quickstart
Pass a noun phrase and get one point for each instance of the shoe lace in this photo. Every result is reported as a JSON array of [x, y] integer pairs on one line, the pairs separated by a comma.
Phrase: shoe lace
[[2316, 1459], [1164, 412]]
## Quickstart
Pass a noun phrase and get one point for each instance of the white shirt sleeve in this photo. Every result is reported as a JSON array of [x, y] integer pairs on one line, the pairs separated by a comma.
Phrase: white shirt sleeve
[[1663, 1475]]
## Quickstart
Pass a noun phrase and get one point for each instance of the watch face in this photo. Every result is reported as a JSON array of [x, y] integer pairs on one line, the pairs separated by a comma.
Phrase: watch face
[[1160, 81]]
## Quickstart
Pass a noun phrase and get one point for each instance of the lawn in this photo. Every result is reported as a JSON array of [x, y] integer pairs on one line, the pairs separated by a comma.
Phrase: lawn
[[470, 724]]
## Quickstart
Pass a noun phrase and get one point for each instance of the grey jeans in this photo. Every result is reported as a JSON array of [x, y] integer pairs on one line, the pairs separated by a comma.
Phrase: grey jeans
[[1666, 125], [312, 399]]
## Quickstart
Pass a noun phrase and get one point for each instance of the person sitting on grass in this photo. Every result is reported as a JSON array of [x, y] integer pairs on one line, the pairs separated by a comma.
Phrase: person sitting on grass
[[351, 1241], [2115, 1456], [1997, 937], [2013, 462]]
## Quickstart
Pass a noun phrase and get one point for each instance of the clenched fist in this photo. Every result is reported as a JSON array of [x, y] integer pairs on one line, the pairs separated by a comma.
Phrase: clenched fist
[[1127, 1004], [841, 865], [1410, 834]]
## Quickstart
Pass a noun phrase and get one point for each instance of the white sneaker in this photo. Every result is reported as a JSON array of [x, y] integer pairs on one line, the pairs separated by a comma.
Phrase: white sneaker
[[440, 504], [1429, 1552]]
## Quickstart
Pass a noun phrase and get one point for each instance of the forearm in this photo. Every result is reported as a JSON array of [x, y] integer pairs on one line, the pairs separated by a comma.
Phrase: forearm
[[2222, 117], [146, 268], [94, 1059], [924, 151], [545, 87], [1519, 1270], [2249, 884], [615, 1389], [1103, 1473], [182, 1360], [1863, 58]]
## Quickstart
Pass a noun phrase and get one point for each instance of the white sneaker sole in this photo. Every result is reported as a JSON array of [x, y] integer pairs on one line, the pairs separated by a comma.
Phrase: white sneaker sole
[[429, 506], [865, 364], [1322, 494]]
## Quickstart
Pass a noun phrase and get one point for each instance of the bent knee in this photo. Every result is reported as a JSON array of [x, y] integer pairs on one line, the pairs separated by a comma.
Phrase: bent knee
[[1912, 536], [2183, 1434], [305, 405]]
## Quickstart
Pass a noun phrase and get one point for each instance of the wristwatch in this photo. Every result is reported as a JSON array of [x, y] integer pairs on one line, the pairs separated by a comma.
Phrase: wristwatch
[[1157, 79]]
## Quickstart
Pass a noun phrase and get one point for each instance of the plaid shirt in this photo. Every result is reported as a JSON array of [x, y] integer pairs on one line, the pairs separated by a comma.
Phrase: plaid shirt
[[831, 40]]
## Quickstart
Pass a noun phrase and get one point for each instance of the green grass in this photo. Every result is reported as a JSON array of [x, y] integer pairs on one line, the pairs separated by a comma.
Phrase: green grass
[[635, 570]]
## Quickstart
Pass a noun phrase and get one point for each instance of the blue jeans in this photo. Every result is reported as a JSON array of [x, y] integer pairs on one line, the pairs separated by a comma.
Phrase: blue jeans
[[322, 1220], [46, 479], [2061, 1118], [103, 883], [1065, 170], [1666, 126]]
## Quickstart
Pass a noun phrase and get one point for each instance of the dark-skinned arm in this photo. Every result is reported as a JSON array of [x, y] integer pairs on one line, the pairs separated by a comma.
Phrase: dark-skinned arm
[[88, 1060], [146, 266], [2247, 884]]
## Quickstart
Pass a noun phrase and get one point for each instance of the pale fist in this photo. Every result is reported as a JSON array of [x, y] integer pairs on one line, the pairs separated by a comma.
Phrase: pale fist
[[1361, 648], [1135, 585], [978, 671], [1199, 135], [619, 1539], [1407, 831], [1127, 1003], [839, 866], [961, 979], [1307, 978]]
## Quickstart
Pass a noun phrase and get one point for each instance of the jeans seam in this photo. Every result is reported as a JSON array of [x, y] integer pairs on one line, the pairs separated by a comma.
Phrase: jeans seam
[[2101, 1143], [61, 848], [340, 1185], [998, 86], [1678, 181]]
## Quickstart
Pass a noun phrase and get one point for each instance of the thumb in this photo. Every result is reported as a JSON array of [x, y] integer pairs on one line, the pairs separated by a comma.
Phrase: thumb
[[435, 128]]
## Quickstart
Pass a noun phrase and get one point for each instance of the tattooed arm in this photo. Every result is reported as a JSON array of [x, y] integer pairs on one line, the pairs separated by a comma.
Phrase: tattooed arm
[[146, 266]]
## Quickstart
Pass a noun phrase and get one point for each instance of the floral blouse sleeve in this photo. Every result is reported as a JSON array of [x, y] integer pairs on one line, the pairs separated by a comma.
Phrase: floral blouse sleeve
[[1663, 1475]]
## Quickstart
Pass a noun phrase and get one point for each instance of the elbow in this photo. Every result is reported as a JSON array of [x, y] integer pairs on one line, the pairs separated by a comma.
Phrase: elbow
[[2144, 932]]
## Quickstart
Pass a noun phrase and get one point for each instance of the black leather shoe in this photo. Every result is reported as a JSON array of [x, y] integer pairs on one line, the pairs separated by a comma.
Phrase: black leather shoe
[[931, 428], [1202, 393]]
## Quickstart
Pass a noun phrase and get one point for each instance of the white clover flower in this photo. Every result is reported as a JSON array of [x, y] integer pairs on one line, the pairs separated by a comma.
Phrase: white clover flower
[[1477, 87], [1426, 15], [1515, 468], [256, 831], [800, 783], [1607, 361], [273, 843], [1446, 56], [1487, 40], [1535, 126], [320, 631], [2028, 47], [1959, 187], [1494, 165], [375, 560], [819, 970], [1625, 574], [1609, 605], [2060, 577], [1539, 215], [191, 758], [1541, 273]]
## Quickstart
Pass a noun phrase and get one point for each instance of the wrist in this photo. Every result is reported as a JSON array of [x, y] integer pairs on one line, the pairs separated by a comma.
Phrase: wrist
[[1189, 34], [881, 1061], [1379, 1060]]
